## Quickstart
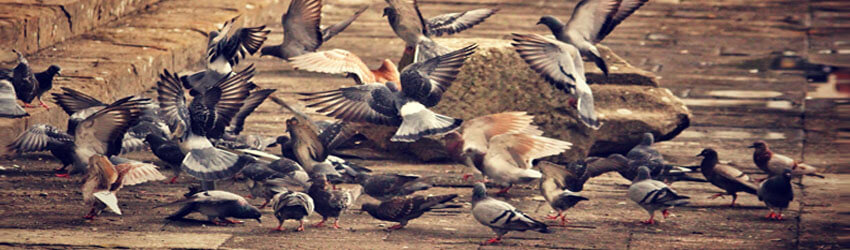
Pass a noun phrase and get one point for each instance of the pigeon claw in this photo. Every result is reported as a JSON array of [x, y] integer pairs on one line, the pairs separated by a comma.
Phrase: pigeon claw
[[233, 221], [504, 190], [321, 223], [336, 224], [173, 180], [63, 175], [716, 195], [278, 228], [650, 221], [665, 213], [27, 105], [553, 217], [264, 204], [45, 106], [300, 227], [467, 176], [492, 241], [397, 226]]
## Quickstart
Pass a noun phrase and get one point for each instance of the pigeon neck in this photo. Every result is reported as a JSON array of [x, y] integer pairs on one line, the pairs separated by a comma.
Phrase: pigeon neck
[[708, 162], [761, 157], [479, 192]]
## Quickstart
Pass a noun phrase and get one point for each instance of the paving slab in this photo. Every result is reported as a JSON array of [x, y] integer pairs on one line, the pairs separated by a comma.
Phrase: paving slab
[[86, 238]]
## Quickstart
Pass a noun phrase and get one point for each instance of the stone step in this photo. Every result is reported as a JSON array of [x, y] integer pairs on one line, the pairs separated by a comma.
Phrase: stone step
[[124, 57]]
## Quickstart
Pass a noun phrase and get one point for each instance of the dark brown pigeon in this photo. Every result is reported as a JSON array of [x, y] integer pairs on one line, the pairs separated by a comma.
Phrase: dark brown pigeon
[[302, 32], [404, 209], [726, 177]]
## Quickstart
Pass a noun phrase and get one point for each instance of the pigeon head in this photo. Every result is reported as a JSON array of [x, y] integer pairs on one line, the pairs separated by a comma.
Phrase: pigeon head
[[283, 139], [552, 22], [54, 70], [291, 124], [708, 152], [643, 174], [647, 139], [269, 51], [389, 12], [370, 208], [479, 191], [759, 146], [454, 143], [246, 211], [787, 174]]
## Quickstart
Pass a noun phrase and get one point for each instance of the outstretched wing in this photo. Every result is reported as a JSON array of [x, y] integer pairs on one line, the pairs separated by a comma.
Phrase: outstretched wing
[[40, 137], [478, 132], [426, 81], [375, 103], [523, 148], [301, 22], [73, 101], [233, 47], [456, 22], [335, 61], [331, 31]]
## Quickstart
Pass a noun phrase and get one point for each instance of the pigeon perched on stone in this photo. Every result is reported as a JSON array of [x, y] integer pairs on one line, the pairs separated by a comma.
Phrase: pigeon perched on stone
[[561, 65], [501, 216], [339, 61], [408, 24], [404, 209], [9, 107], [422, 84], [302, 32], [384, 187], [591, 21], [225, 48], [292, 205], [168, 151], [105, 179], [653, 195], [41, 137], [777, 193], [29, 85], [502, 147], [205, 117], [331, 203], [556, 192], [775, 164], [726, 177], [217, 205]]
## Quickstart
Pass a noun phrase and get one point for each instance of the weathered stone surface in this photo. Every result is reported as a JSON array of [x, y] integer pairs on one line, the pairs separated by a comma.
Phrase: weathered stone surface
[[495, 80]]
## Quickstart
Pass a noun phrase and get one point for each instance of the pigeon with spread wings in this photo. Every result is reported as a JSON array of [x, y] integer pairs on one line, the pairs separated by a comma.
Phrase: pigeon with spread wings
[[302, 32], [105, 179], [339, 61], [422, 84], [102, 133]]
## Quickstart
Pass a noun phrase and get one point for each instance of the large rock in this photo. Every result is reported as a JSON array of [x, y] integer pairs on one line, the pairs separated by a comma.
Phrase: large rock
[[495, 79]]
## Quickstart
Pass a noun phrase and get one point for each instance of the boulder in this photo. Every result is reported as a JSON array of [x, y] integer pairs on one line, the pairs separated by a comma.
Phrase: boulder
[[495, 79]]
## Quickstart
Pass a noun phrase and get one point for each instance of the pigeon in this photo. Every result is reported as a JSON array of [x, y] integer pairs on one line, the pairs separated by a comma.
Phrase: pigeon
[[592, 21], [776, 192], [284, 169], [217, 205], [555, 191], [267, 189], [40, 137], [644, 152], [168, 151], [653, 195], [501, 216], [408, 24], [325, 138], [330, 203], [423, 84], [384, 187], [347, 170], [29, 85], [245, 141], [9, 107], [561, 65], [205, 117], [292, 205], [726, 177], [254, 99], [339, 61], [504, 158], [775, 164], [105, 179], [306, 146], [224, 50], [301, 29], [404, 209]]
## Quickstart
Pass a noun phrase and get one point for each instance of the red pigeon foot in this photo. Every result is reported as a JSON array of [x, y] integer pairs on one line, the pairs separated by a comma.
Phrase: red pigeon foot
[[321, 223], [398, 226], [300, 227], [491, 241], [278, 229], [336, 225], [173, 180], [665, 213], [63, 175]]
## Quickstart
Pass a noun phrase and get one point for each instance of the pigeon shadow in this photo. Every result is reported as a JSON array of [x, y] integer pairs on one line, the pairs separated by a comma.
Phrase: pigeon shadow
[[184, 222], [722, 206]]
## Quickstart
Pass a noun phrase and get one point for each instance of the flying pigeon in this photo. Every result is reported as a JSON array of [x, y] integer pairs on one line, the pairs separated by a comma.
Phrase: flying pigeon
[[105, 179], [302, 32], [653, 195], [102, 132], [408, 24], [503, 146], [423, 84], [591, 21], [41, 137], [292, 205], [217, 205], [29, 85], [9, 107], [384, 187], [404, 209], [339, 61], [561, 65], [555, 191], [168, 151], [501, 216], [726, 177], [205, 117], [254, 99], [225, 48], [775, 164], [776, 192], [330, 203]]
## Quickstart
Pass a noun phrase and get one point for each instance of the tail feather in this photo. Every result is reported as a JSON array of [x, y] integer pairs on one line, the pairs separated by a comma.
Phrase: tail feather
[[214, 164], [600, 63], [417, 121], [587, 113]]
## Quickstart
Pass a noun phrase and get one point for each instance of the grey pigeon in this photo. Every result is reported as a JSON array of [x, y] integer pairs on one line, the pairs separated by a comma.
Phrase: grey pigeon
[[168, 151], [217, 205], [388, 186], [29, 85], [330, 203], [501, 216], [644, 152], [652, 195], [591, 21], [554, 190], [405, 209], [205, 117], [347, 170], [105, 178], [9, 107], [726, 177], [423, 84], [777, 193], [267, 189], [561, 65], [254, 99], [283, 169], [41, 137], [775, 164], [301, 29], [292, 205]]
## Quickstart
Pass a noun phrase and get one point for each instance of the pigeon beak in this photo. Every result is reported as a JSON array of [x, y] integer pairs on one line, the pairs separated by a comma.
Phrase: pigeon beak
[[752, 146], [259, 221]]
